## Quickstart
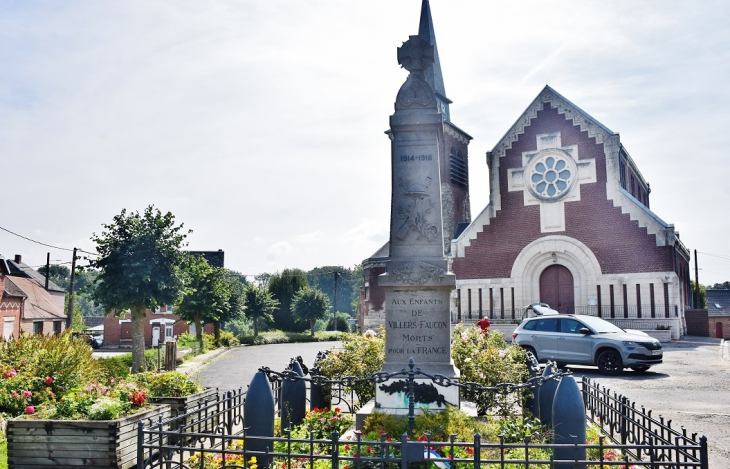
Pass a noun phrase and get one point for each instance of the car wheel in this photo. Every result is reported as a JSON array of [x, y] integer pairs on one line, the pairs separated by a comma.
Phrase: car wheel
[[531, 350], [609, 363], [640, 369]]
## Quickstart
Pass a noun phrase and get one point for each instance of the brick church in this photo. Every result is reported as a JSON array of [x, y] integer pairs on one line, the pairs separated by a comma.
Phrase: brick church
[[568, 223]]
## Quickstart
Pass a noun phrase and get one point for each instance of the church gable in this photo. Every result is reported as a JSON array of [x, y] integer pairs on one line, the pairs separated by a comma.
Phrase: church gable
[[553, 174]]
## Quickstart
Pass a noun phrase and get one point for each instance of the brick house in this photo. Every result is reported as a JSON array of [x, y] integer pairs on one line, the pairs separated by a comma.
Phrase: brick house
[[11, 302], [41, 307], [568, 223], [118, 329], [718, 313]]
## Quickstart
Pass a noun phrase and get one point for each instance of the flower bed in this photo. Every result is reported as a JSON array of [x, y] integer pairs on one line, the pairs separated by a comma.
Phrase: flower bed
[[36, 444]]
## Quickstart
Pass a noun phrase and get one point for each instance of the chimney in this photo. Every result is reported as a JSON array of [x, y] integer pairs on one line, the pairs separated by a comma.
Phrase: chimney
[[18, 258]]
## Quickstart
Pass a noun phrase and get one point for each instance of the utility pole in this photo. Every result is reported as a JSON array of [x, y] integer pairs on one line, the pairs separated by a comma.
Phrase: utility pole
[[337, 275], [48, 268], [69, 317], [697, 285]]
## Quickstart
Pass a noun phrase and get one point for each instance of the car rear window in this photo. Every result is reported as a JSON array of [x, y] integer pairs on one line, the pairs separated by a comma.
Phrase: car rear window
[[546, 325]]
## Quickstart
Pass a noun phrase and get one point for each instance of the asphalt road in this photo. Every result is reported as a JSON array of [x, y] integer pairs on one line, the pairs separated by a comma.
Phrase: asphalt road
[[691, 388], [237, 367]]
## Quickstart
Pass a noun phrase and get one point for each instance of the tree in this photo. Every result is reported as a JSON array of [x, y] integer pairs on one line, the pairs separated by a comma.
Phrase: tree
[[283, 286], [59, 274], [349, 282], [260, 304], [310, 304], [719, 286], [700, 301], [207, 295], [236, 285], [141, 265]]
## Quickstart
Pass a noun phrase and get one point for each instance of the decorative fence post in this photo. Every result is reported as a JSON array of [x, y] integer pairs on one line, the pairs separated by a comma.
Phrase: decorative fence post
[[547, 395], [293, 398], [569, 423], [258, 417], [533, 403]]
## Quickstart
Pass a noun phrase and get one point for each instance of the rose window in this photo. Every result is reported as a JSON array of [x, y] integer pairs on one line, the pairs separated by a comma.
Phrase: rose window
[[551, 176]]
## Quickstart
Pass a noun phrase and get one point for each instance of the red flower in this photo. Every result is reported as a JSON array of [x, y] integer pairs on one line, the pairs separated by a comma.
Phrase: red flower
[[337, 409], [30, 409], [49, 380], [347, 447], [10, 374]]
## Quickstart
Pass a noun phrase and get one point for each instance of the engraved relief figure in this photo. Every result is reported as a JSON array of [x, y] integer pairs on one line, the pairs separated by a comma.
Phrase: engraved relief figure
[[415, 212], [418, 274]]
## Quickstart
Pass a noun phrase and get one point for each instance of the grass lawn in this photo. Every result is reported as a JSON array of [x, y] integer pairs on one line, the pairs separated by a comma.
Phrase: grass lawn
[[4, 454]]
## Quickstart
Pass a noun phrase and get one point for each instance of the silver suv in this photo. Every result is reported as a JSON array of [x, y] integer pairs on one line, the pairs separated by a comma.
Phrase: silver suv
[[587, 340]]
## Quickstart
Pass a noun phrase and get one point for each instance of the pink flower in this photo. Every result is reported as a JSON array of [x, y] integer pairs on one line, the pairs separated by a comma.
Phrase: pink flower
[[369, 333], [10, 374], [49, 380], [30, 409], [27, 394], [15, 395]]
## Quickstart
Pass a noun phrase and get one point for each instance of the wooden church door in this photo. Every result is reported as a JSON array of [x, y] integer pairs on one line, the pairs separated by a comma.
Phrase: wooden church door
[[556, 289]]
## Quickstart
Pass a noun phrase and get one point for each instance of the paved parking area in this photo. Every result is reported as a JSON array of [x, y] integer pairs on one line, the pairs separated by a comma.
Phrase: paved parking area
[[691, 389]]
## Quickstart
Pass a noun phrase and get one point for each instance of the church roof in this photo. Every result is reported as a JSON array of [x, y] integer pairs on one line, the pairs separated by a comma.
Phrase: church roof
[[433, 73], [564, 106]]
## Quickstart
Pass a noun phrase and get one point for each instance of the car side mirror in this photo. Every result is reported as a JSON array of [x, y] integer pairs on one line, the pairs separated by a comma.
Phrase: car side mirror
[[585, 331]]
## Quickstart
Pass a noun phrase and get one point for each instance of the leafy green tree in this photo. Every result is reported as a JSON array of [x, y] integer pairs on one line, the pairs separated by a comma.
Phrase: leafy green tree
[[349, 281], [207, 295], [263, 279], [283, 286], [59, 274], [701, 300], [236, 285], [310, 304], [720, 286], [260, 304], [141, 265]]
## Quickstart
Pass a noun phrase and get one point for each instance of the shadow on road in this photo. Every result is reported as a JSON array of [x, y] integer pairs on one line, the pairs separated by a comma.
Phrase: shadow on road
[[594, 374]]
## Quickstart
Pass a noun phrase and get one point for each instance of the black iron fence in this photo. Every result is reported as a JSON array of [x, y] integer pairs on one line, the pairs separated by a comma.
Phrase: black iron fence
[[214, 434]]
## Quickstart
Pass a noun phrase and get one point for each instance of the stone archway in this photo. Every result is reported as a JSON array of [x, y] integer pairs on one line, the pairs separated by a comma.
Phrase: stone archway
[[555, 250], [556, 289]]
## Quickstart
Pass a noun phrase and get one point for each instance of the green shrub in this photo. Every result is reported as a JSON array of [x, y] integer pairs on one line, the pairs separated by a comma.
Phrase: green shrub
[[279, 337], [186, 339], [361, 356], [228, 339], [487, 359], [37, 369], [113, 367], [150, 356], [169, 384]]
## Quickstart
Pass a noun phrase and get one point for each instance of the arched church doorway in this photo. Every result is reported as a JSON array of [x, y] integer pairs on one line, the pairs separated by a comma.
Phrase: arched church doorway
[[556, 289]]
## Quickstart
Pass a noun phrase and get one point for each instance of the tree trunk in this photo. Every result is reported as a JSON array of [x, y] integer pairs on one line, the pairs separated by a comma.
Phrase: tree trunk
[[139, 364], [199, 331], [311, 326], [255, 327], [217, 333]]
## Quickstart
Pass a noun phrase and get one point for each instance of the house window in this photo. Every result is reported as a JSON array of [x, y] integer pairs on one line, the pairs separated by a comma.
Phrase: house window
[[38, 327], [164, 309], [56, 327], [168, 332], [8, 328]]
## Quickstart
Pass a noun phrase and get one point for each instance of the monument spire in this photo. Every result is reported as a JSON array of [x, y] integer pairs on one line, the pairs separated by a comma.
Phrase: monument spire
[[433, 73]]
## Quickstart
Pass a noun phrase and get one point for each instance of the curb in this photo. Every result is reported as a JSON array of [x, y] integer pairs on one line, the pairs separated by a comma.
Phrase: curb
[[196, 364], [725, 350]]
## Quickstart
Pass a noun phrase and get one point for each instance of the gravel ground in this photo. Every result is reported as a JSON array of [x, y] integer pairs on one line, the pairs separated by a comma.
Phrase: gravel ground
[[691, 388]]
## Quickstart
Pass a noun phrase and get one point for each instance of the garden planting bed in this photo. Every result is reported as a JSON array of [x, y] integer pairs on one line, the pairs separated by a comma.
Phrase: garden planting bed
[[37, 444]]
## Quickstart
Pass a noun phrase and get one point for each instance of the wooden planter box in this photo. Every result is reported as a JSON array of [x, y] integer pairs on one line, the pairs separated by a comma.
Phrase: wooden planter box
[[39, 444], [183, 405]]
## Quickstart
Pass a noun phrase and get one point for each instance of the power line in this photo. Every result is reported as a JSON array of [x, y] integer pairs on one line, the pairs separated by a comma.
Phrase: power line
[[714, 255], [45, 244]]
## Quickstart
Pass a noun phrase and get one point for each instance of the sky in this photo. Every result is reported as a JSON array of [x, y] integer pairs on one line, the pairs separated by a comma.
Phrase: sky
[[260, 123]]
